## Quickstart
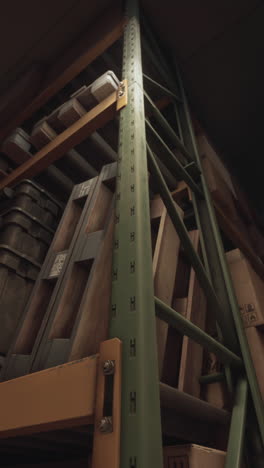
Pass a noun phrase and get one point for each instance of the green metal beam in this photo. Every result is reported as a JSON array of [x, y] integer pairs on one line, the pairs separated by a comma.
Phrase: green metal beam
[[223, 283], [212, 378], [167, 128], [202, 276], [133, 312], [162, 88], [186, 327], [237, 429], [172, 162]]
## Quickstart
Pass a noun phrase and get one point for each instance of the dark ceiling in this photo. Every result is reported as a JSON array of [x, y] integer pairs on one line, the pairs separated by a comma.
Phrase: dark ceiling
[[219, 46]]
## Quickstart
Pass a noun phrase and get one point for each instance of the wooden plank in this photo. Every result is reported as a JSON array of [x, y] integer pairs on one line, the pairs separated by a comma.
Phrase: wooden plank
[[106, 446], [55, 398], [165, 260], [92, 326], [104, 32], [72, 136], [192, 353]]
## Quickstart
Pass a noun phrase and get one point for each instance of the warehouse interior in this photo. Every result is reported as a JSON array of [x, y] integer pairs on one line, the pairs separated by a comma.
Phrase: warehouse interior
[[132, 341]]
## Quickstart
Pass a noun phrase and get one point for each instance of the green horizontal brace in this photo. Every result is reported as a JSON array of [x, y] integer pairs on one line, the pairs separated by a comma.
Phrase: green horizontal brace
[[186, 327], [167, 128], [212, 378], [183, 234], [162, 88], [235, 448], [173, 163]]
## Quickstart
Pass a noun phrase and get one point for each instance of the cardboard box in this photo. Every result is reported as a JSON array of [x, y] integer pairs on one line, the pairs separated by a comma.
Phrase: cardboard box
[[192, 456], [249, 288], [257, 240], [219, 189], [206, 150], [255, 339]]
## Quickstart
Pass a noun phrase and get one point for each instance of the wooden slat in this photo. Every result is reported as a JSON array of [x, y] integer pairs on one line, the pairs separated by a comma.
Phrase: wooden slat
[[107, 30], [72, 136], [55, 398], [165, 261], [94, 309], [192, 353]]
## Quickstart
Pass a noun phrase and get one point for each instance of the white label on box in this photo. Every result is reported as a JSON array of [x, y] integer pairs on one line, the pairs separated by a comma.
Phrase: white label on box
[[249, 314], [84, 189], [57, 265]]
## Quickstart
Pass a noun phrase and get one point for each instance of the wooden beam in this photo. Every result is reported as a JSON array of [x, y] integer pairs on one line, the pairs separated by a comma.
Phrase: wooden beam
[[75, 134], [107, 30], [52, 399]]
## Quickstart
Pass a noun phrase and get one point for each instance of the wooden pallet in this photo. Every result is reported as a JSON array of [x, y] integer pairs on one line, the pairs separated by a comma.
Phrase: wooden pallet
[[165, 258], [184, 357], [78, 319], [87, 201]]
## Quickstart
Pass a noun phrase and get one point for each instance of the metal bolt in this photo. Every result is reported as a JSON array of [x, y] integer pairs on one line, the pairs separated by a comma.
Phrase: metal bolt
[[109, 367], [121, 90], [106, 425]]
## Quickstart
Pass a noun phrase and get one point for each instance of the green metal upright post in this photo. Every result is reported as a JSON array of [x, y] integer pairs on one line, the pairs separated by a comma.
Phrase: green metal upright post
[[235, 447], [133, 311]]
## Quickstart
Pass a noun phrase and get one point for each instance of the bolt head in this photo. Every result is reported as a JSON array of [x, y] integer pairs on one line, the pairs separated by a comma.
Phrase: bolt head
[[106, 425], [109, 367]]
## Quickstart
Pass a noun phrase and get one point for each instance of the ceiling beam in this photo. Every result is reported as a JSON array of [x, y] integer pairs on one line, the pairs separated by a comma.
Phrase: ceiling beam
[[104, 32]]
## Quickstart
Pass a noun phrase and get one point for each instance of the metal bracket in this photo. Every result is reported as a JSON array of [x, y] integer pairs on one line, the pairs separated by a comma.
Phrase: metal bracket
[[106, 444], [121, 95]]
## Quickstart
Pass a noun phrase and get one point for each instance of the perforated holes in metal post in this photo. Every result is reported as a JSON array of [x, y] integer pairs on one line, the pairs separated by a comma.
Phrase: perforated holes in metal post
[[132, 303], [132, 267], [133, 402], [113, 308], [132, 462], [132, 347]]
